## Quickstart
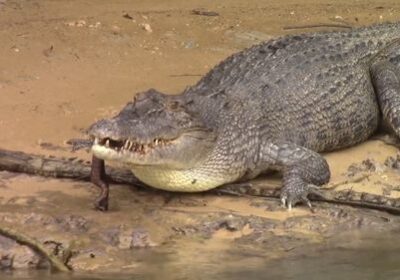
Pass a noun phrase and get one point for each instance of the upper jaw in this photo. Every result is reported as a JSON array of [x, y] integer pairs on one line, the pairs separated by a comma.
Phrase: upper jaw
[[129, 144]]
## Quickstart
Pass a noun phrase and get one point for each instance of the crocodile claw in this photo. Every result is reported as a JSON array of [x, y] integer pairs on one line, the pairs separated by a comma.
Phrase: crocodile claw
[[292, 195]]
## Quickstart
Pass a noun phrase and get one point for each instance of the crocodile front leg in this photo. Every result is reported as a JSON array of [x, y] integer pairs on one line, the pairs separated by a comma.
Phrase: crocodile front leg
[[98, 177], [386, 79], [303, 170]]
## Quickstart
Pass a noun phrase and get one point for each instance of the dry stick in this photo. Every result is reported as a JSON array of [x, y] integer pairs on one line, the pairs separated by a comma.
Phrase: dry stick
[[318, 25], [58, 167], [36, 246], [200, 12], [332, 186], [186, 75], [76, 169], [344, 197]]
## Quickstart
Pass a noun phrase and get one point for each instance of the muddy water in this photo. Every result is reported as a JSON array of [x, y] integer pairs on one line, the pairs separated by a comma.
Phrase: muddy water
[[65, 64], [373, 261]]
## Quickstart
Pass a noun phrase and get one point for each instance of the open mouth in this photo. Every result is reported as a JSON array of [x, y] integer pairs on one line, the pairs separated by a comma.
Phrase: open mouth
[[130, 145]]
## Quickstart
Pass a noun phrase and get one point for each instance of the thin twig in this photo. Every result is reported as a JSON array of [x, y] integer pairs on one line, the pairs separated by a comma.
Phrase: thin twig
[[36, 246], [186, 75], [358, 179], [318, 25], [201, 12]]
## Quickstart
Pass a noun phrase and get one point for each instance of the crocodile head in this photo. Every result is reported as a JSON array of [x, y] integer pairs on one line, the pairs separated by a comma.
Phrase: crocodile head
[[153, 129]]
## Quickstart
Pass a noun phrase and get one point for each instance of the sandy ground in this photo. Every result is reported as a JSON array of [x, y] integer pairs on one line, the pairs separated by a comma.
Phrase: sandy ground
[[64, 64]]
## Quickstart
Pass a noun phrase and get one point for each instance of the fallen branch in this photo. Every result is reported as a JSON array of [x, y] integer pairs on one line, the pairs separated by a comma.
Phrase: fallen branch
[[342, 197], [79, 170], [71, 168], [35, 245]]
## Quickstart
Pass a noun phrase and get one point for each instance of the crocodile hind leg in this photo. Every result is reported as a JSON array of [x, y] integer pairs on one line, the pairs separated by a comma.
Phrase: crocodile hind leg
[[386, 79], [303, 171], [98, 177]]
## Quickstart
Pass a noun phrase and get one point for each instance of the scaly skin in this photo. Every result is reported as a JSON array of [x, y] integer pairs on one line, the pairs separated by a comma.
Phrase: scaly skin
[[273, 106]]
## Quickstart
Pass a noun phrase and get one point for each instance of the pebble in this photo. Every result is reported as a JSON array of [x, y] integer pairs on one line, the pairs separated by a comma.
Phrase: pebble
[[15, 49], [146, 27], [77, 23], [96, 25], [116, 29]]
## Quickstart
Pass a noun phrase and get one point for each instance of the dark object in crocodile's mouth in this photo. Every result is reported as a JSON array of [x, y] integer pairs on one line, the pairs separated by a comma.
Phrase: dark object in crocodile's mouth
[[130, 145]]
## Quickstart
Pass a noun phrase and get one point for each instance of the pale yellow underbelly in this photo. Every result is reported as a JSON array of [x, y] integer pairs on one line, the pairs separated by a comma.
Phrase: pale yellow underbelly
[[197, 180]]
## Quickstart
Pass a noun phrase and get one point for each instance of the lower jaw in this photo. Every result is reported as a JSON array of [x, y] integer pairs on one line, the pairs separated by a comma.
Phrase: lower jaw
[[104, 153], [109, 154], [117, 156]]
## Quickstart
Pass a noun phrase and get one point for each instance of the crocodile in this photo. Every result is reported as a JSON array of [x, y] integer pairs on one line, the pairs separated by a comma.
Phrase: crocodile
[[272, 107]]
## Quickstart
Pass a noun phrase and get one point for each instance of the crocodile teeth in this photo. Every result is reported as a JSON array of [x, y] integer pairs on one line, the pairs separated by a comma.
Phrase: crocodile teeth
[[126, 145], [130, 145]]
